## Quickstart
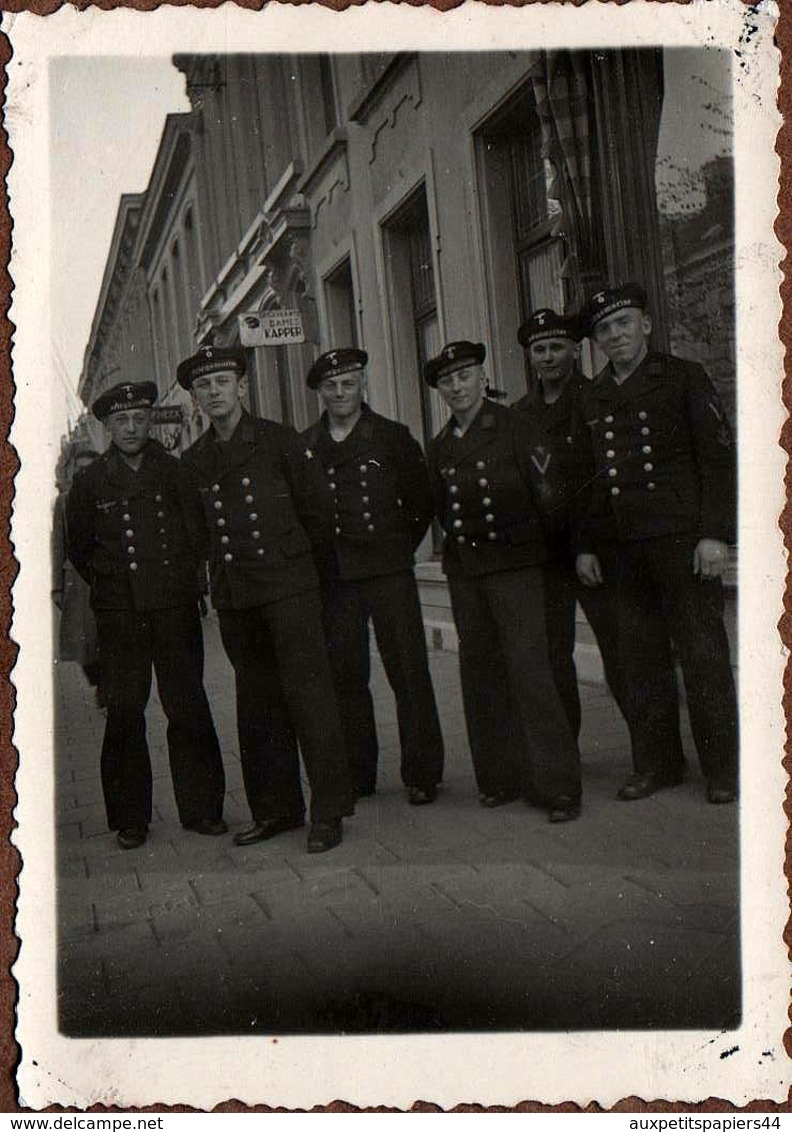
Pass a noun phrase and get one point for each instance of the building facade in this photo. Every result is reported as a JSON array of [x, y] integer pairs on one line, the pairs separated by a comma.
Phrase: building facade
[[401, 200]]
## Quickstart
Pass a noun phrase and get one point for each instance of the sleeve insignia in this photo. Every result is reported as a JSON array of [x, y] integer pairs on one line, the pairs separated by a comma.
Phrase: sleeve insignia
[[541, 460]]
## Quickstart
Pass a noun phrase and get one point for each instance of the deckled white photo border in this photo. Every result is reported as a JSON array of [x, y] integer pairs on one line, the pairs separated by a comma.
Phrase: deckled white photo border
[[503, 1069]]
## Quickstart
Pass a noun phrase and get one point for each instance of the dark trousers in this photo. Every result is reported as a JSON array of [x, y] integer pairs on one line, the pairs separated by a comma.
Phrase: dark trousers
[[282, 672], [520, 738], [660, 599], [393, 606], [267, 742], [563, 592], [172, 641]]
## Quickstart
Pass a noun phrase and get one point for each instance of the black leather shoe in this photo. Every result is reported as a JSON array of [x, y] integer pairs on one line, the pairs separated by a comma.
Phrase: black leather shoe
[[642, 785], [721, 795], [269, 827], [324, 835], [421, 795], [363, 791], [133, 837], [207, 827], [502, 798], [564, 809]]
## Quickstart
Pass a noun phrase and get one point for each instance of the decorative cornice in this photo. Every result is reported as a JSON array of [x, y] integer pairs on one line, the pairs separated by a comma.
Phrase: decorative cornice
[[166, 179], [329, 173], [331, 152], [203, 74], [275, 247], [411, 96], [119, 270], [364, 106]]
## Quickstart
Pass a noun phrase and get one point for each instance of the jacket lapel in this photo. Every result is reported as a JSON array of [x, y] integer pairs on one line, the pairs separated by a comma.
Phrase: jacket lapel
[[204, 456], [480, 433], [127, 481], [637, 384], [216, 461], [553, 417], [352, 446], [113, 467]]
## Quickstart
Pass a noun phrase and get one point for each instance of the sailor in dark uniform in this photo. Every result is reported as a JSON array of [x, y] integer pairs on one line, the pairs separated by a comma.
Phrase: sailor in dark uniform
[[551, 343], [127, 538], [657, 523], [488, 497], [261, 509], [383, 506]]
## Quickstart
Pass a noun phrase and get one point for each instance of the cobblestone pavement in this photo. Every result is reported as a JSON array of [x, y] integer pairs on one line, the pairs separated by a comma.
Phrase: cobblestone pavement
[[445, 917]]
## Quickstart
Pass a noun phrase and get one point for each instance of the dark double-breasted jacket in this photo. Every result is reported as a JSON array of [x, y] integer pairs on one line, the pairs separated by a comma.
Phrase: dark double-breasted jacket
[[259, 509], [127, 535], [662, 455], [380, 486], [490, 493], [565, 467]]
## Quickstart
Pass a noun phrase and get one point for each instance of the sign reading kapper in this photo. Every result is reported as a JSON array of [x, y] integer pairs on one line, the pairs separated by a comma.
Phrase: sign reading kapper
[[272, 328]]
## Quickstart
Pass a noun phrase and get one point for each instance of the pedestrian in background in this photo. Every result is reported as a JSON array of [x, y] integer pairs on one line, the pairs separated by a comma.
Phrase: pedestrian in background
[[76, 628], [127, 539], [260, 511], [382, 509], [656, 524], [488, 497], [551, 343]]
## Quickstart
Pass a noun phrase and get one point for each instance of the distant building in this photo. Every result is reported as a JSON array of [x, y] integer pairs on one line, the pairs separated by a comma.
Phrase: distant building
[[700, 280], [145, 318], [119, 348]]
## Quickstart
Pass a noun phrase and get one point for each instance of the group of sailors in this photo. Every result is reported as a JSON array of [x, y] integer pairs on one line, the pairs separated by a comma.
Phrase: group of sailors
[[617, 493]]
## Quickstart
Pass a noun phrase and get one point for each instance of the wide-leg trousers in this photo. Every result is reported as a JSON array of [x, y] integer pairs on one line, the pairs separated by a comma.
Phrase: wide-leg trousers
[[392, 605], [170, 641], [279, 656], [519, 734], [659, 599], [563, 592]]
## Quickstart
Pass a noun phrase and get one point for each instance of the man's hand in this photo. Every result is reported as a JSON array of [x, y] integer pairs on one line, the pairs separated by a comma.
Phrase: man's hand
[[589, 570], [710, 558]]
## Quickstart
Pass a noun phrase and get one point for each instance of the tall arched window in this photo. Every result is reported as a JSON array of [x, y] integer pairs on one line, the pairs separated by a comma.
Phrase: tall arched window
[[182, 328], [160, 352], [192, 267], [166, 322]]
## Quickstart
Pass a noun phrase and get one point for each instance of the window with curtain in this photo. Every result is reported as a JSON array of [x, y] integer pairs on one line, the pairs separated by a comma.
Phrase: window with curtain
[[540, 255], [340, 304], [426, 325]]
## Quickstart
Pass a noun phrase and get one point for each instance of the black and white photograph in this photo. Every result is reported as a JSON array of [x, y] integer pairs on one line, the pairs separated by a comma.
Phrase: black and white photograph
[[404, 456]]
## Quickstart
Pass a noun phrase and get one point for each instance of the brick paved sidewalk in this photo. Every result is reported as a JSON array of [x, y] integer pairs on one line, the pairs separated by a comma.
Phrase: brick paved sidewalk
[[446, 917]]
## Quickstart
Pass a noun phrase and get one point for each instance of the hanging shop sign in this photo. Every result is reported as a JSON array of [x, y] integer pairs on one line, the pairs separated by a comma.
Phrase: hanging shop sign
[[167, 414], [271, 328]]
